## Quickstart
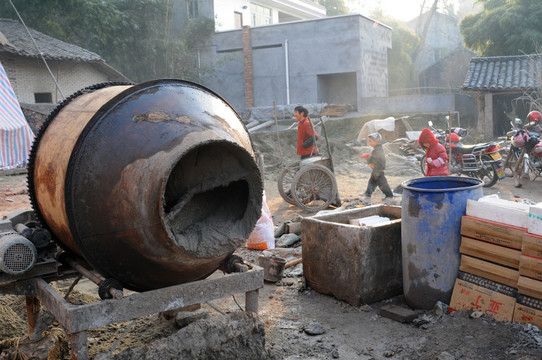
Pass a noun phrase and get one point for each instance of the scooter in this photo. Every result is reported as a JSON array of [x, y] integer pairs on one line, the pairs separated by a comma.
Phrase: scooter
[[482, 161]]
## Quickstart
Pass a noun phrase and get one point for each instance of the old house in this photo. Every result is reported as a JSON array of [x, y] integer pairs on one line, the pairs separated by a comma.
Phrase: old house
[[504, 87], [74, 68], [442, 60]]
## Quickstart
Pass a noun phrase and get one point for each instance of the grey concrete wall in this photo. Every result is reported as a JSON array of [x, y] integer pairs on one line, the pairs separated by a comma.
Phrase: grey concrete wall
[[313, 51], [409, 104]]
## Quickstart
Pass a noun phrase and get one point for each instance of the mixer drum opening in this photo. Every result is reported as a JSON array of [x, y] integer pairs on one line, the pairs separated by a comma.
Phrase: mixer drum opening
[[206, 197]]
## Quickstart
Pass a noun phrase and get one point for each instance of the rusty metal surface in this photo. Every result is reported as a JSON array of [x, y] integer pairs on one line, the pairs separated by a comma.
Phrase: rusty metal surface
[[52, 156], [161, 184]]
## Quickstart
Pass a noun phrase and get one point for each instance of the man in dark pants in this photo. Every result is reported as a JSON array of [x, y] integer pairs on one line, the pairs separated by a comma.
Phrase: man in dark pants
[[377, 161]]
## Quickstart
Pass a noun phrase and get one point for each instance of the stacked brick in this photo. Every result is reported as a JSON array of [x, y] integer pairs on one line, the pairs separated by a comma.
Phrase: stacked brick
[[501, 261]]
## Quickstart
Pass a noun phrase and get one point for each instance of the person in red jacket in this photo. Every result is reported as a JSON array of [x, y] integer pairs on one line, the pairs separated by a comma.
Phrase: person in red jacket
[[435, 154], [306, 134]]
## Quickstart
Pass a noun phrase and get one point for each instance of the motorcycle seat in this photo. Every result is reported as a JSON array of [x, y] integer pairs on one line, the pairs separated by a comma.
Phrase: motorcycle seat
[[465, 149]]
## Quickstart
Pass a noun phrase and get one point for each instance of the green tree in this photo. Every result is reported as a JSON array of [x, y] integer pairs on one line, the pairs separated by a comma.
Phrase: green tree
[[133, 36], [334, 7], [401, 57], [401, 74], [504, 27]]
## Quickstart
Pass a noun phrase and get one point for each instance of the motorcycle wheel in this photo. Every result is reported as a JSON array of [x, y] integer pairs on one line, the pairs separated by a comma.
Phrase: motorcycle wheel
[[423, 165], [488, 174], [510, 158]]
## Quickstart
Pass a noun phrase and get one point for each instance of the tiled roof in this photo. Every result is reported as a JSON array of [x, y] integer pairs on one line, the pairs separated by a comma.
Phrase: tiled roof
[[15, 39], [519, 72]]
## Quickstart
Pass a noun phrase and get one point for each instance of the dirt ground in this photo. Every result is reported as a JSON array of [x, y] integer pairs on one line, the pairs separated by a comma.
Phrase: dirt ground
[[289, 310]]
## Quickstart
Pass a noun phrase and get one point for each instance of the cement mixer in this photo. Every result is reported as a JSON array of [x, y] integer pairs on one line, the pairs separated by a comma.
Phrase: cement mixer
[[151, 185]]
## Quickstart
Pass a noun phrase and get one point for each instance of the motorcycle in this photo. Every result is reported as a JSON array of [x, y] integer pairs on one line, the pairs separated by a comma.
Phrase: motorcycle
[[524, 155], [482, 161]]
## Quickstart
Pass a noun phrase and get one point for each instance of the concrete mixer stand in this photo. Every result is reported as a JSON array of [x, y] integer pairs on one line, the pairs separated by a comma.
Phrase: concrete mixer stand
[[77, 319]]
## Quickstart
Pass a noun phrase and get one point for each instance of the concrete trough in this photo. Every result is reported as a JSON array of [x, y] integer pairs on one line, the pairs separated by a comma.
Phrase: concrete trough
[[357, 264]]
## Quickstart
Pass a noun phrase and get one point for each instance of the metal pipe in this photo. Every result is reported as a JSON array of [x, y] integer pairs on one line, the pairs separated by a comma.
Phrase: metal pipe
[[286, 62]]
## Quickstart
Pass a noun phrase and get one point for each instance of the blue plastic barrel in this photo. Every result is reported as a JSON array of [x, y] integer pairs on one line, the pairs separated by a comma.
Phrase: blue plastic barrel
[[431, 213]]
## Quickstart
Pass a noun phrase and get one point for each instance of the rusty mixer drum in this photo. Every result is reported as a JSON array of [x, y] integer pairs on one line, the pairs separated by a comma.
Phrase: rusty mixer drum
[[152, 184]]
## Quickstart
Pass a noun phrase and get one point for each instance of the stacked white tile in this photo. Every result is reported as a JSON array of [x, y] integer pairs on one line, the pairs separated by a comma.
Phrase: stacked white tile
[[534, 223], [499, 210]]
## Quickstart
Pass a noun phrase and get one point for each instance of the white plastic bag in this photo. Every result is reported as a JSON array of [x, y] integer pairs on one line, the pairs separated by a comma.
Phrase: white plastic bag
[[263, 235]]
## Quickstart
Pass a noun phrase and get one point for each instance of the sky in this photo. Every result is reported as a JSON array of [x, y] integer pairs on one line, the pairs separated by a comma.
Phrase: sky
[[404, 10]]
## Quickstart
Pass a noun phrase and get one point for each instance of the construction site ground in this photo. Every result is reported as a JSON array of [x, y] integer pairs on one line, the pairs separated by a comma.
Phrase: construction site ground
[[299, 322]]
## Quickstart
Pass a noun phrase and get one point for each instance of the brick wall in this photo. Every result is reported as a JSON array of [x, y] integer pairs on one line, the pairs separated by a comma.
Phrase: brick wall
[[247, 61], [29, 76]]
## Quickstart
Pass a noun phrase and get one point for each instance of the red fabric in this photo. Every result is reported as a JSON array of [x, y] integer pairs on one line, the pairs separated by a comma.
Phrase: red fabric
[[427, 136], [453, 136], [434, 152], [303, 133]]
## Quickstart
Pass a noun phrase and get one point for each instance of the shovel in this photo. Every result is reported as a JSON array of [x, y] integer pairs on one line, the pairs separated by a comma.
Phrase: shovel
[[273, 267]]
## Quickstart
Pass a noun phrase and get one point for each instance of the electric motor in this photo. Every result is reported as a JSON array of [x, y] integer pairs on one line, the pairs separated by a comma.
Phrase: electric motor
[[17, 254]]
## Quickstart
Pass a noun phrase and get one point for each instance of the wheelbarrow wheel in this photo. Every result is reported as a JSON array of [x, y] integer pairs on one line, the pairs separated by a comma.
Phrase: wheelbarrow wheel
[[314, 188], [286, 177]]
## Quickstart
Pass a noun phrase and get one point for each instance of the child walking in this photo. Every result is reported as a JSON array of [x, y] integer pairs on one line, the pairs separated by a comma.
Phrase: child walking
[[377, 161]]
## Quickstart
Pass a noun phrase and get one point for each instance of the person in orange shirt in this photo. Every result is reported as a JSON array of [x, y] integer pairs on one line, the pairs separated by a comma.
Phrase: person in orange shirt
[[306, 134]]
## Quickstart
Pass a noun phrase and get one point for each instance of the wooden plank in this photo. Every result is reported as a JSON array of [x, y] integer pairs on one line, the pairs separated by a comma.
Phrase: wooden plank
[[77, 318], [530, 287], [530, 266], [493, 232], [532, 245], [261, 126], [334, 110], [487, 251], [489, 270]]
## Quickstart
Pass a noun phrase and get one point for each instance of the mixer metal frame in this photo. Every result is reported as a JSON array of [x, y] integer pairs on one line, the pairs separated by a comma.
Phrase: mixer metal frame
[[77, 319]]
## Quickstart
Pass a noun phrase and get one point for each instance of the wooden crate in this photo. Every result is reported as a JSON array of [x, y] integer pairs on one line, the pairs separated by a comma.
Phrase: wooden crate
[[501, 255], [488, 270], [530, 287], [532, 245], [493, 232], [530, 266]]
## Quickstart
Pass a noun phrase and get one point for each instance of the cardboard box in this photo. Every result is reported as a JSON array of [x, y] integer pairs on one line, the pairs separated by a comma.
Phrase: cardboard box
[[528, 310], [501, 255], [531, 245], [489, 270], [499, 210], [473, 292], [530, 287], [534, 222], [530, 266], [493, 232]]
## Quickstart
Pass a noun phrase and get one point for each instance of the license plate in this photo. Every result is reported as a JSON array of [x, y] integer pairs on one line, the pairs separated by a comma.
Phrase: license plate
[[496, 156]]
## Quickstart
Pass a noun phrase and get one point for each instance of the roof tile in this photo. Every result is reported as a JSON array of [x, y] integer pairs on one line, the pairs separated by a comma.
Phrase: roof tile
[[20, 43], [504, 73]]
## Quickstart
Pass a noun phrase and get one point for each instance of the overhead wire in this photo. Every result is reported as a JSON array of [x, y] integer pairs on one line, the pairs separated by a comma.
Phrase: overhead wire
[[39, 51]]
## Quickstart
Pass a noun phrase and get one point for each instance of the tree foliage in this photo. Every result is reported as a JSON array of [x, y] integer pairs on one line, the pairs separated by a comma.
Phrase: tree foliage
[[133, 36], [504, 27], [334, 7], [401, 74]]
